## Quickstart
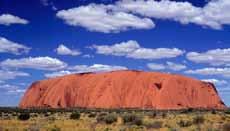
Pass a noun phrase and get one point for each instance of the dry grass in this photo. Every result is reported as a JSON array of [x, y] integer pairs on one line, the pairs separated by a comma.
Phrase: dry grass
[[168, 122]]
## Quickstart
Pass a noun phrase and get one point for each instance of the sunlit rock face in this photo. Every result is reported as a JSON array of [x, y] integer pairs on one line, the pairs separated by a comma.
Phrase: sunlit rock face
[[122, 89]]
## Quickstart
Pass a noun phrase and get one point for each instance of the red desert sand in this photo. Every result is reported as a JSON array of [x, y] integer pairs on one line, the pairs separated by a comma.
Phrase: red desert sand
[[122, 89]]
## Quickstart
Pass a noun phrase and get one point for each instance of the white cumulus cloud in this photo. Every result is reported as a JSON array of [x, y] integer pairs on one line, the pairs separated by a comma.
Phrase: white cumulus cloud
[[225, 72], [155, 66], [96, 68], [8, 19], [103, 18], [216, 81], [7, 46], [85, 69], [11, 89], [213, 57], [41, 63], [58, 73], [214, 14], [63, 50], [132, 49], [6, 75], [168, 65]]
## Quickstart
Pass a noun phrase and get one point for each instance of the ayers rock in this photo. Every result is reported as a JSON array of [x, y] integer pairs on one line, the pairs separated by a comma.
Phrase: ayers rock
[[122, 89]]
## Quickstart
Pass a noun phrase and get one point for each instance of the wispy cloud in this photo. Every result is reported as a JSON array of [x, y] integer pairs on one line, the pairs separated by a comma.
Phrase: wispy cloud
[[132, 49], [64, 50], [225, 72], [7, 46], [40, 63], [168, 65], [11, 89], [58, 73], [214, 14], [8, 19], [102, 18], [86, 68], [216, 81], [48, 3], [213, 57], [6, 75]]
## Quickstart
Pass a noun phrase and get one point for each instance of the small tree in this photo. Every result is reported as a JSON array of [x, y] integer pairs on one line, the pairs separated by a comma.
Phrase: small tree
[[198, 120], [92, 115], [75, 116], [132, 119], [24, 116], [154, 125], [184, 123], [111, 118], [226, 127], [108, 119]]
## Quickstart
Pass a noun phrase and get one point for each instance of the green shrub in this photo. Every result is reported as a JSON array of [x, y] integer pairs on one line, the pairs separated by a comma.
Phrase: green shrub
[[127, 118], [173, 129], [108, 129], [34, 127], [46, 114], [111, 118], [164, 115], [226, 127], [56, 128], [92, 115], [154, 125], [153, 115], [189, 110], [138, 121], [100, 119], [102, 114], [213, 112], [184, 123], [108, 119], [75, 116], [227, 112], [14, 114], [198, 120], [132, 119], [24, 116]]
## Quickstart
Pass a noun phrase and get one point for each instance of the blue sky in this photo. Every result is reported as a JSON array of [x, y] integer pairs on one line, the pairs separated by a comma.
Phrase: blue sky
[[47, 38]]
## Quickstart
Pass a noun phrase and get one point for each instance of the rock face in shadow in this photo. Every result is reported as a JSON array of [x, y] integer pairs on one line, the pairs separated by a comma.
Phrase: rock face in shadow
[[122, 89]]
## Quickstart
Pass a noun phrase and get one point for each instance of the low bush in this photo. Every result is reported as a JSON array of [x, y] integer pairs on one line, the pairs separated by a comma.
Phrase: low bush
[[198, 120], [14, 114], [100, 118], [184, 123], [92, 115], [132, 119], [47, 114], [108, 119], [34, 127], [75, 116], [55, 128], [213, 111], [227, 112], [154, 125], [152, 114], [127, 118], [189, 110], [24, 116], [226, 127], [138, 121], [111, 118], [164, 115], [103, 114]]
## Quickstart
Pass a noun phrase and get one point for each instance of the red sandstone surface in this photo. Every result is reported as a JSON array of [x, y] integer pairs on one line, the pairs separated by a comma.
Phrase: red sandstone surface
[[122, 89]]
